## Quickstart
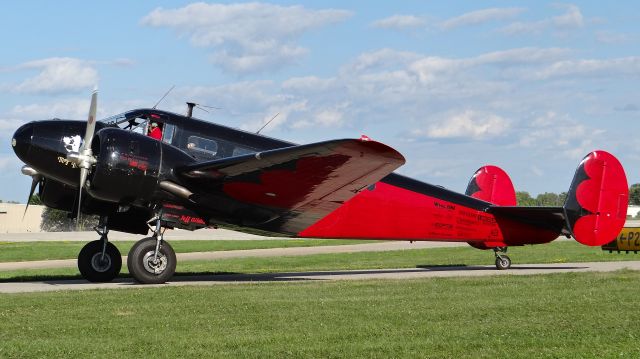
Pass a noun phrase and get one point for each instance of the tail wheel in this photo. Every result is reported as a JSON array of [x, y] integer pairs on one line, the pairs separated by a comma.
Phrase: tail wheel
[[503, 262], [95, 267], [148, 268]]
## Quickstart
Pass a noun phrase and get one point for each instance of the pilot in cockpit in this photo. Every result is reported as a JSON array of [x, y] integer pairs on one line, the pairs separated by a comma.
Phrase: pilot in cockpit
[[155, 131]]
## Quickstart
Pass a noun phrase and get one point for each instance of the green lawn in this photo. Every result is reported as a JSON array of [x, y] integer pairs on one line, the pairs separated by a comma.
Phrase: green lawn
[[555, 252], [31, 251], [575, 315]]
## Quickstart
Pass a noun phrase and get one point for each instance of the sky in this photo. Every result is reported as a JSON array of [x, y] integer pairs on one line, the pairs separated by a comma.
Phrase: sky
[[529, 86]]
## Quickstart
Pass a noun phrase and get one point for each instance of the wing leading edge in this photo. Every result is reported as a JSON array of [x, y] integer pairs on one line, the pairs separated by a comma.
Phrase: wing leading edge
[[300, 184]]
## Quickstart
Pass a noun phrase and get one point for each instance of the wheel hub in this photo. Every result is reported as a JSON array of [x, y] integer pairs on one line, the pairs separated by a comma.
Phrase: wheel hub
[[99, 263], [156, 266]]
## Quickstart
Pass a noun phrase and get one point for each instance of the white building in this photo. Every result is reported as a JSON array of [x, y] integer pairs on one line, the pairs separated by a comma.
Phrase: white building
[[633, 210], [11, 220]]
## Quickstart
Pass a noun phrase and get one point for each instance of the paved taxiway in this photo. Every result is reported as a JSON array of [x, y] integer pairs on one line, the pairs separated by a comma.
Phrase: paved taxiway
[[406, 273], [426, 272], [246, 253]]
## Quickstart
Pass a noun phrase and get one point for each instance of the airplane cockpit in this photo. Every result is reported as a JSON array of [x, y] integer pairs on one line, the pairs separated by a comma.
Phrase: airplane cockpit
[[201, 140]]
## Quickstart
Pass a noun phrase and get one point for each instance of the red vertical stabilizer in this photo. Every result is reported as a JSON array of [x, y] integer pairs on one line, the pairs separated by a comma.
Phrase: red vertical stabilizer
[[492, 184], [596, 206]]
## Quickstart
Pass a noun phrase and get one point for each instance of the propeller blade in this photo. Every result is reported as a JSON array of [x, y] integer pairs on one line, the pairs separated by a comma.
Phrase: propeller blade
[[91, 121], [86, 158], [34, 183], [83, 178]]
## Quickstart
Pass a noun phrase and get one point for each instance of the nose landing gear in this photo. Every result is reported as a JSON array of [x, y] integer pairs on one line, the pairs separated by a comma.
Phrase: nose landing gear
[[100, 260]]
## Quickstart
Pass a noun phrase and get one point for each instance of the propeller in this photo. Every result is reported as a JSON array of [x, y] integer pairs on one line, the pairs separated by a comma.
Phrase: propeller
[[35, 180], [84, 158]]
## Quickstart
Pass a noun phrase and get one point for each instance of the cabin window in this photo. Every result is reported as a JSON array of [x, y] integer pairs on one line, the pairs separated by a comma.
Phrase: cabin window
[[239, 151], [202, 148], [167, 134]]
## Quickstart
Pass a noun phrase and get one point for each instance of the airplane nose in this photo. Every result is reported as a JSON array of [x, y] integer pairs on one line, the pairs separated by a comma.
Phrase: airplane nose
[[21, 141]]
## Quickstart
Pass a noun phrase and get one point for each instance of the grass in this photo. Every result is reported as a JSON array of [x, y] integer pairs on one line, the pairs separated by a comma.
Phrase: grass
[[555, 252], [31, 251], [574, 315]]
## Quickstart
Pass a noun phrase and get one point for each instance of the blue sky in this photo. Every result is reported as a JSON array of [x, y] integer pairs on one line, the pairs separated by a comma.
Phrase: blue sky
[[529, 86]]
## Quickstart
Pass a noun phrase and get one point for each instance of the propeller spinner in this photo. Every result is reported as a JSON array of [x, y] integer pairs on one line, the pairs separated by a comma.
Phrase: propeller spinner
[[35, 180]]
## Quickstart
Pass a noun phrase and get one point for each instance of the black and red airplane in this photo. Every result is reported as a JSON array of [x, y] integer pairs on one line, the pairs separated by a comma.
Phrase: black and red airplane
[[148, 169]]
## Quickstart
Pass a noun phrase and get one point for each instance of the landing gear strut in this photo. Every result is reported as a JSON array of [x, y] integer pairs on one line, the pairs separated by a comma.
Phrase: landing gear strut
[[152, 260], [100, 261], [502, 260]]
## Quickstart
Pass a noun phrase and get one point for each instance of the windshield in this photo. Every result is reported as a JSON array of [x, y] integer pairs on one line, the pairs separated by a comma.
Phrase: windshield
[[136, 121]]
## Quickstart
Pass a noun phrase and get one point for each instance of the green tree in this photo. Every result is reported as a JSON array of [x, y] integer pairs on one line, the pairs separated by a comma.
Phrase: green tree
[[634, 194], [55, 220], [550, 199], [35, 200], [523, 198]]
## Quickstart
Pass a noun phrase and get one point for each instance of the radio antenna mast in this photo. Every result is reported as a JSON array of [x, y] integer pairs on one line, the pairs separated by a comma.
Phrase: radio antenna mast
[[268, 122], [162, 98]]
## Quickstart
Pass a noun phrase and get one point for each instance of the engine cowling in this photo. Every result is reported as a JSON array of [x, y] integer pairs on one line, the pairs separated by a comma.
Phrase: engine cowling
[[127, 168]]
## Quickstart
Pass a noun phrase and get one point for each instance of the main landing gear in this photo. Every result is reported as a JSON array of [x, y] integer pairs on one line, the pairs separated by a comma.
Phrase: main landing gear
[[150, 261], [502, 260], [100, 261]]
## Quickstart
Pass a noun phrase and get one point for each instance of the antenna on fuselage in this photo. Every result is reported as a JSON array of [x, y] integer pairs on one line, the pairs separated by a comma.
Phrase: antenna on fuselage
[[268, 122], [162, 98], [192, 105]]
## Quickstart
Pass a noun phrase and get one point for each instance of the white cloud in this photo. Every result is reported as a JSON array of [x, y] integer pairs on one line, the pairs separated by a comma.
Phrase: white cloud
[[281, 112], [9, 125], [8, 162], [246, 37], [468, 124], [57, 75], [591, 68], [328, 118], [611, 37], [382, 58], [559, 133], [400, 22], [75, 109], [308, 84], [481, 17], [429, 68], [571, 19]]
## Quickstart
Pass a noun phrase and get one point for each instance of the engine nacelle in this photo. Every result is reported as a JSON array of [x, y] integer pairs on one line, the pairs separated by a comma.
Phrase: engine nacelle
[[128, 166], [57, 195]]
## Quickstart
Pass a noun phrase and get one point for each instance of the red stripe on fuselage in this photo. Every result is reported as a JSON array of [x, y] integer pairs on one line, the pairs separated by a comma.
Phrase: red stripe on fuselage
[[391, 212]]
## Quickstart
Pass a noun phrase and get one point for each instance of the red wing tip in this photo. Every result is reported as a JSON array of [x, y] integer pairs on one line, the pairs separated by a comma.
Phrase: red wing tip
[[380, 148]]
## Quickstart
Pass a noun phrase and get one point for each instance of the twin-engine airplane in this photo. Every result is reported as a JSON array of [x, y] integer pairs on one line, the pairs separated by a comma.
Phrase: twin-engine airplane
[[150, 169]]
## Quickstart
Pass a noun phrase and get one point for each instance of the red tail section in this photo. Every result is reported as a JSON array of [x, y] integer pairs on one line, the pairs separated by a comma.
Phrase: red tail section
[[596, 206], [492, 184]]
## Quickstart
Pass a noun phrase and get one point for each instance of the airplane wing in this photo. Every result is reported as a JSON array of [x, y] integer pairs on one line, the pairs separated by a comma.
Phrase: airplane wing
[[296, 185]]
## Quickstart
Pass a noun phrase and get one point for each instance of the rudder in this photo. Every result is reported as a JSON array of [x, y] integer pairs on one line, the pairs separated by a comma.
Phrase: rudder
[[596, 205], [492, 184]]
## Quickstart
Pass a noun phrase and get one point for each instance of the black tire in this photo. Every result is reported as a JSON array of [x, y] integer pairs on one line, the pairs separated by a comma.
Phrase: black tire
[[503, 262], [141, 266], [96, 269]]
